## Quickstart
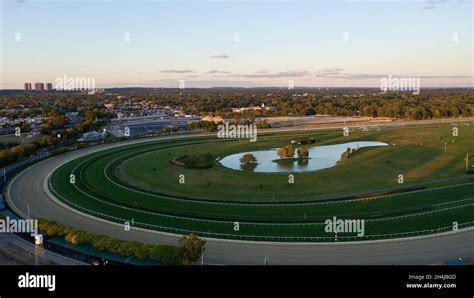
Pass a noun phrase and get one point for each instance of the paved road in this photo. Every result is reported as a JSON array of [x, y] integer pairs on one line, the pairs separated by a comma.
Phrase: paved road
[[30, 247], [25, 193]]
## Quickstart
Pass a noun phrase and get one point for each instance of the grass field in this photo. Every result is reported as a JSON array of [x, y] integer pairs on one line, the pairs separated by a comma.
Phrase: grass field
[[138, 182], [418, 154]]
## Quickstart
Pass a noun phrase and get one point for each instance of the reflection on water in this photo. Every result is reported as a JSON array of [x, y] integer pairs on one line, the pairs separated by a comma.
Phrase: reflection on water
[[320, 157], [303, 162], [248, 167]]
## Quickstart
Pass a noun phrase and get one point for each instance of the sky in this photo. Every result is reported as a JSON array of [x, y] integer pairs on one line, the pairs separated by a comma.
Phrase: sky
[[246, 43]]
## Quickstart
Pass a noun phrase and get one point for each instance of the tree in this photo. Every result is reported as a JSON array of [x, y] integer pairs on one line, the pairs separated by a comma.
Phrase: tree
[[345, 155], [302, 153], [25, 127], [310, 111], [248, 158], [166, 129], [191, 248], [287, 151]]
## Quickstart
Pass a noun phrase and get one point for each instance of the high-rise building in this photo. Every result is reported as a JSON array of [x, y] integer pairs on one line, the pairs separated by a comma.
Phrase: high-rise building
[[39, 86], [49, 86], [27, 86]]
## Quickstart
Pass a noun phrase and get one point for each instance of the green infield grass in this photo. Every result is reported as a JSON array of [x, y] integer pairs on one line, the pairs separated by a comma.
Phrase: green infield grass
[[138, 184]]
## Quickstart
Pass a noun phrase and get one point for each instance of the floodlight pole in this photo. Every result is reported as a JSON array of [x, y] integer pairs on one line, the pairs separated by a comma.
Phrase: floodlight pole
[[202, 255], [467, 161], [39, 250], [38, 253]]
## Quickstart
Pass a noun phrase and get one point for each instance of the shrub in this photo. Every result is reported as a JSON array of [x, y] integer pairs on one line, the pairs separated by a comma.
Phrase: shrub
[[307, 141], [302, 153], [287, 151], [202, 161], [59, 151], [16, 153], [345, 155]]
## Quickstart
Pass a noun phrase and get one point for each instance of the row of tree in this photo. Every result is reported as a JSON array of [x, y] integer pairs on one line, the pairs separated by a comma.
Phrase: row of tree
[[187, 253], [170, 129], [371, 102], [208, 126], [16, 152]]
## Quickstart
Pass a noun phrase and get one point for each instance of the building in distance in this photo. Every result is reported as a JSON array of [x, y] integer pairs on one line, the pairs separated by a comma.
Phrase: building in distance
[[262, 108], [215, 119], [39, 86], [90, 136]]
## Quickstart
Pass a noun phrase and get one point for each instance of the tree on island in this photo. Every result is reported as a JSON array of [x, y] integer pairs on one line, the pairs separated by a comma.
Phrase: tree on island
[[345, 155], [302, 153], [247, 159], [286, 152]]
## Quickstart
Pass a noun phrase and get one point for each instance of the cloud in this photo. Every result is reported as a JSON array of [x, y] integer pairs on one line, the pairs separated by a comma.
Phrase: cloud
[[371, 76], [281, 74], [362, 76], [336, 73], [177, 71], [356, 76], [166, 83], [328, 72], [218, 72], [431, 4], [428, 7], [445, 77], [220, 56]]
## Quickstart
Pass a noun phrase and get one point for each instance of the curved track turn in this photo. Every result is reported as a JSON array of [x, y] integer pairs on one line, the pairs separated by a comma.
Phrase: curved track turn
[[26, 192]]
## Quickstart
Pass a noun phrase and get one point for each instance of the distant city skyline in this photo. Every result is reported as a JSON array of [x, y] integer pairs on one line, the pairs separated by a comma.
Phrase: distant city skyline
[[202, 44]]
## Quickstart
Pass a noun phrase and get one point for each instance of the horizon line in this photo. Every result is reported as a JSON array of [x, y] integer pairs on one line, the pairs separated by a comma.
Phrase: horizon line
[[230, 87]]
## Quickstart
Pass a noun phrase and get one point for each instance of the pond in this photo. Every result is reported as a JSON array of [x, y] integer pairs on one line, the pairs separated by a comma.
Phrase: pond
[[320, 157]]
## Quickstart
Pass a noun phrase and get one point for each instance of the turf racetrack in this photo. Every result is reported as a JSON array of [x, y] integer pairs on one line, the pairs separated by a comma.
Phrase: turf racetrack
[[137, 184]]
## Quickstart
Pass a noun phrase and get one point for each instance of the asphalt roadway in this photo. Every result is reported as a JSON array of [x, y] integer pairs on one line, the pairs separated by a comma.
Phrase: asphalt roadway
[[30, 248], [25, 195]]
